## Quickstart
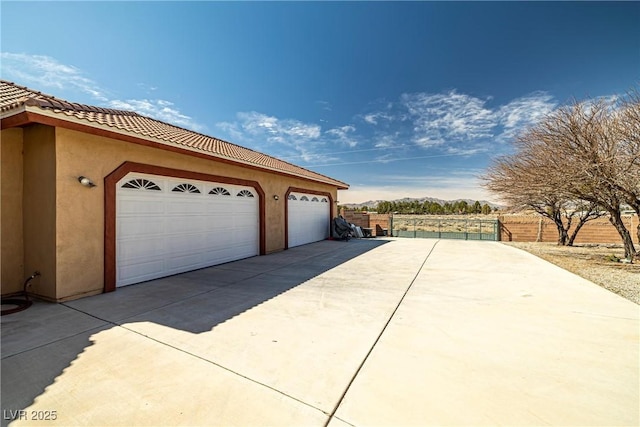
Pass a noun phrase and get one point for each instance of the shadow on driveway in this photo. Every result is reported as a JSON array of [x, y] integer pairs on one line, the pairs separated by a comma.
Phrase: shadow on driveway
[[40, 343]]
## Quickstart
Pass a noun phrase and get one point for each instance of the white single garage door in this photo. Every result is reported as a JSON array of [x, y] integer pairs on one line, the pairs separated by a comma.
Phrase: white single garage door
[[167, 225], [308, 216]]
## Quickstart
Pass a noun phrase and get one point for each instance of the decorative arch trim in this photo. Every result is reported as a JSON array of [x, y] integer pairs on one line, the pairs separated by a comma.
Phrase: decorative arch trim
[[120, 172], [290, 190]]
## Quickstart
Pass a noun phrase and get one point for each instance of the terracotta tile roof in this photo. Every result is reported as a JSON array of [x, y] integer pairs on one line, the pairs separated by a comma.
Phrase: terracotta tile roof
[[14, 97]]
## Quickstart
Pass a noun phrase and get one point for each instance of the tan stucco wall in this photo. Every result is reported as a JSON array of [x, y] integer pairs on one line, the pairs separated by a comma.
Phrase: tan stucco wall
[[39, 208], [12, 250], [80, 215]]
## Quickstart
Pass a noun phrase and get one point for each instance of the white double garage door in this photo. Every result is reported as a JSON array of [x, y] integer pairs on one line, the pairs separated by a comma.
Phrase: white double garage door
[[166, 225]]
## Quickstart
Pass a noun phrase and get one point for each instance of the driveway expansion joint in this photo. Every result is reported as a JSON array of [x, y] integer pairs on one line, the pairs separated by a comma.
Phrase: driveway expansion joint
[[114, 324], [9, 356], [448, 337], [211, 362], [375, 342]]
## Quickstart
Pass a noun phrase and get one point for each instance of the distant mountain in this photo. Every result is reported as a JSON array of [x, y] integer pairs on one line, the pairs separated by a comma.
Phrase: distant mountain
[[371, 204]]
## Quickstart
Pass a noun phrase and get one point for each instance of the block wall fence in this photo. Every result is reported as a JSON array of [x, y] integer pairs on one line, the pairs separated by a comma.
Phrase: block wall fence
[[377, 222], [518, 228]]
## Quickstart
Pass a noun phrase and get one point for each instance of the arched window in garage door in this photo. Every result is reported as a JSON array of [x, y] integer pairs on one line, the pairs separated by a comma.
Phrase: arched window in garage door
[[307, 219], [165, 232], [220, 191], [142, 184], [186, 188]]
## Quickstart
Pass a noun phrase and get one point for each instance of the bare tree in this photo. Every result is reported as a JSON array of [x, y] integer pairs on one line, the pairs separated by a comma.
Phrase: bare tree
[[587, 152], [584, 154], [626, 179], [584, 212], [521, 180]]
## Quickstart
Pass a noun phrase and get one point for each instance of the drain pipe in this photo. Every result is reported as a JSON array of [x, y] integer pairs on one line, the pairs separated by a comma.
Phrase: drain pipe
[[21, 304]]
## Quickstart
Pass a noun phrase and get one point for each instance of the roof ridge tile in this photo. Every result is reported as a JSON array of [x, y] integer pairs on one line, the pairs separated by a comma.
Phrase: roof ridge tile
[[13, 96]]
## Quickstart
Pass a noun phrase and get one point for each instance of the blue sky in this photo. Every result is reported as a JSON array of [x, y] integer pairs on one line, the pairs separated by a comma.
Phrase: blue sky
[[398, 100]]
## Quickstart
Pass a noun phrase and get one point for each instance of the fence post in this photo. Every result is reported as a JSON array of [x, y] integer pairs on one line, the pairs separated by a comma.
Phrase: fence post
[[414, 228], [480, 229]]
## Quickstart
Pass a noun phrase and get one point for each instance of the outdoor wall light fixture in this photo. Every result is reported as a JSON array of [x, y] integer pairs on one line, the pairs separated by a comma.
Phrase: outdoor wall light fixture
[[86, 181], [275, 197]]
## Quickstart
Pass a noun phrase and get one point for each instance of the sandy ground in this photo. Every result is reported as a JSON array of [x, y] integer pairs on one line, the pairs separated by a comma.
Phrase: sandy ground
[[593, 262]]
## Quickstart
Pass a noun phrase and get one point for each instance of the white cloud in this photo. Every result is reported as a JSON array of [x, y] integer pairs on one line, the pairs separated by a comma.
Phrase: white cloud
[[326, 106], [147, 88], [276, 129], [158, 109], [371, 119], [231, 129], [448, 118], [44, 72], [342, 134], [427, 141], [278, 137], [385, 158], [522, 112], [459, 123], [470, 151], [388, 140], [281, 136], [374, 118]]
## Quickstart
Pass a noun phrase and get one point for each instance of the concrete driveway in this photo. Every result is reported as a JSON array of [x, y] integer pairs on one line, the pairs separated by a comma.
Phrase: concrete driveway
[[367, 332]]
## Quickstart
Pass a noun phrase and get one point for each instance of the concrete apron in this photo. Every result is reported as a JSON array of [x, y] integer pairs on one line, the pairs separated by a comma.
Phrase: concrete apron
[[486, 334]]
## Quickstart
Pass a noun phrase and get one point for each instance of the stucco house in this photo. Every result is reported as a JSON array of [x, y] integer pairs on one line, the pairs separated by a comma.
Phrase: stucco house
[[96, 198]]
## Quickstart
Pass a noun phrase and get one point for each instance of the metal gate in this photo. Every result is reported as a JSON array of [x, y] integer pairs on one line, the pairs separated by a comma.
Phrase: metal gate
[[444, 228]]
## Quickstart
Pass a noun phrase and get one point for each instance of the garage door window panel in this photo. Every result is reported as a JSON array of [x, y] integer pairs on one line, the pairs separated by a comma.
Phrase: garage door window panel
[[186, 188], [245, 193], [189, 225], [220, 191], [141, 184], [307, 219]]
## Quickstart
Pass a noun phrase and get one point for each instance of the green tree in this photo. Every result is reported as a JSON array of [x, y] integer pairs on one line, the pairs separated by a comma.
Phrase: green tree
[[461, 207], [435, 209]]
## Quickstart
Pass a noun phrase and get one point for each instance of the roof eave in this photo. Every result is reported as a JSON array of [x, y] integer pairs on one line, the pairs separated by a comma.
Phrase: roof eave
[[25, 114], [15, 117]]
